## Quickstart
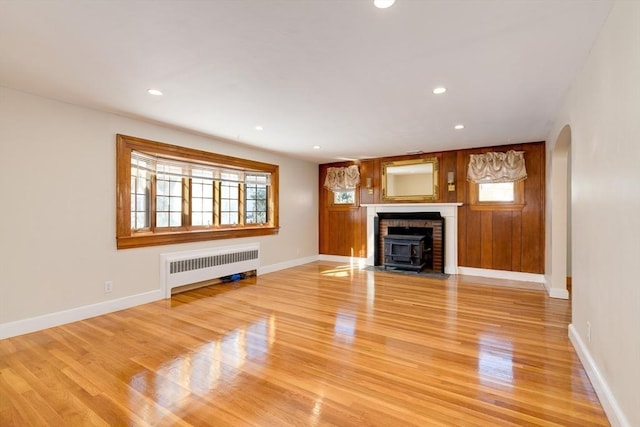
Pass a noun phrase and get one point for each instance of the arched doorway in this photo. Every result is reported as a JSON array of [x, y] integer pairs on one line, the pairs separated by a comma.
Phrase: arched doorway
[[560, 218]]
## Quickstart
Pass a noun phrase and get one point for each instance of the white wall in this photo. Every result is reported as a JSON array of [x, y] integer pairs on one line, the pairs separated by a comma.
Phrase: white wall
[[603, 110], [57, 216]]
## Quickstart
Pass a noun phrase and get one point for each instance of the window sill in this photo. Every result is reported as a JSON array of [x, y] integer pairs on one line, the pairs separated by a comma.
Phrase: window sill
[[174, 237]]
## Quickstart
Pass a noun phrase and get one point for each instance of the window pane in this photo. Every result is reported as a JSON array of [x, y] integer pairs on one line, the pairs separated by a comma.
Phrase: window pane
[[176, 187], [162, 188], [202, 201], [196, 189], [176, 204], [196, 218], [224, 205], [255, 204], [140, 190], [496, 192], [141, 202], [207, 191], [162, 219], [344, 197], [142, 220], [175, 219], [162, 203], [207, 218], [142, 184]]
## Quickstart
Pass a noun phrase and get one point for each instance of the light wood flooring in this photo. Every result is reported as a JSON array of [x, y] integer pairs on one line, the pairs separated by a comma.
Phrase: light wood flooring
[[317, 345]]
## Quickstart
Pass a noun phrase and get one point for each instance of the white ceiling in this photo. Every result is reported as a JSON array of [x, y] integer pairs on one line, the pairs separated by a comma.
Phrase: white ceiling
[[340, 74]]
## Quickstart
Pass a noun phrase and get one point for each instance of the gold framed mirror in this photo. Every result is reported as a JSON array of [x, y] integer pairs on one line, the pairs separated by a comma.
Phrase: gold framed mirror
[[410, 180]]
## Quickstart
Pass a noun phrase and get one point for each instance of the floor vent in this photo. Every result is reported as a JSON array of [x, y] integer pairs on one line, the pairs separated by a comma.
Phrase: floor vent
[[184, 268]]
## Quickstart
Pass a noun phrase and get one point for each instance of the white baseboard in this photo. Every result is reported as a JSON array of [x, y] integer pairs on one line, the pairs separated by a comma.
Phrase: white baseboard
[[287, 264], [502, 274], [360, 262], [25, 326], [556, 292], [607, 399]]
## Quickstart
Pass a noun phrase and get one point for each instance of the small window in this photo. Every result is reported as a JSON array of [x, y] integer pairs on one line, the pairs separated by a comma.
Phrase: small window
[[506, 196], [344, 197], [496, 192]]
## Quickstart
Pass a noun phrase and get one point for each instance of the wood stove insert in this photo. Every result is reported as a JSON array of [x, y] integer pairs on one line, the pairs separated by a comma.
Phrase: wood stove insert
[[404, 251], [427, 225]]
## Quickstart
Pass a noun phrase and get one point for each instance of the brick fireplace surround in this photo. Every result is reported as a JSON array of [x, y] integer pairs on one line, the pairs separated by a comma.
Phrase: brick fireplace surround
[[437, 234], [449, 211]]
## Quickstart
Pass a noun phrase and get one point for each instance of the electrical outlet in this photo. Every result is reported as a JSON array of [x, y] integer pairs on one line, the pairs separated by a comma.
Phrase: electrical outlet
[[589, 332], [108, 286]]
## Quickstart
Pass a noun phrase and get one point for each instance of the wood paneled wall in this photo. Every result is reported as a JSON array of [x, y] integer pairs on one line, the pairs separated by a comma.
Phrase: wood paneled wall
[[497, 240]]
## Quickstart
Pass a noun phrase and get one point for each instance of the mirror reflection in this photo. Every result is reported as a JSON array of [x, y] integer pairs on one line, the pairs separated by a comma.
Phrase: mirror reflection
[[412, 180]]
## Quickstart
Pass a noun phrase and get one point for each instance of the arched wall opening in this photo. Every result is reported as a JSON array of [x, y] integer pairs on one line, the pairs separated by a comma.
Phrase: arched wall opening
[[559, 265]]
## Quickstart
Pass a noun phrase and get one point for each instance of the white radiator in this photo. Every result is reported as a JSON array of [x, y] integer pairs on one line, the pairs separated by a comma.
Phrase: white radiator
[[184, 268]]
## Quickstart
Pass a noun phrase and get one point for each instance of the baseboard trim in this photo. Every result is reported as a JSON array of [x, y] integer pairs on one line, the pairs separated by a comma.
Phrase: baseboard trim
[[287, 264], [556, 293], [360, 262], [502, 274], [607, 399], [25, 326]]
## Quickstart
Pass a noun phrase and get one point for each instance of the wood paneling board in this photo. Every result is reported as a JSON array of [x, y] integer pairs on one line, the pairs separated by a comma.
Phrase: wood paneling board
[[502, 239], [516, 241], [533, 212], [320, 344], [486, 239], [473, 246]]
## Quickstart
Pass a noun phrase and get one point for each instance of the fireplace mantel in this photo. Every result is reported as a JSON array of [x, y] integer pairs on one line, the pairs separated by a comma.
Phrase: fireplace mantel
[[448, 210]]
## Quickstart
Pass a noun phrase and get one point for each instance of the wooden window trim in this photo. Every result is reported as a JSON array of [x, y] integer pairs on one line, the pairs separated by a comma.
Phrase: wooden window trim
[[128, 238], [516, 205]]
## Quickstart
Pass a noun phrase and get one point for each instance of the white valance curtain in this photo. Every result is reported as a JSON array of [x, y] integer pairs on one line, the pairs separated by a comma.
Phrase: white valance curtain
[[342, 179], [497, 167]]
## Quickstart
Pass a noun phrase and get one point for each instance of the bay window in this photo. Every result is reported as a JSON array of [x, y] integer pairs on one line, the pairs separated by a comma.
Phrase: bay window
[[168, 194]]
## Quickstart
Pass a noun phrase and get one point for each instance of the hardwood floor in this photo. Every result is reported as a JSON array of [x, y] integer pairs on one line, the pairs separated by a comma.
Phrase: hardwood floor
[[316, 345]]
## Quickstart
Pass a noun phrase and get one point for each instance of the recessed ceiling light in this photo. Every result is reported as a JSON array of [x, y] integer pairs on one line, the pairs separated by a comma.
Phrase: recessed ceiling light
[[458, 127], [440, 90], [316, 147], [155, 92], [383, 4], [260, 128]]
